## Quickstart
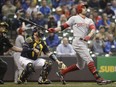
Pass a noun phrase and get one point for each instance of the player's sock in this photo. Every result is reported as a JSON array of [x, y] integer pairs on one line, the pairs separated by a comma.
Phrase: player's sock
[[69, 69], [93, 70]]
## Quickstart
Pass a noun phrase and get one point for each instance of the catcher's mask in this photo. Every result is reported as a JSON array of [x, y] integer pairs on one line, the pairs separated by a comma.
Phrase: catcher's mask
[[3, 27], [39, 32]]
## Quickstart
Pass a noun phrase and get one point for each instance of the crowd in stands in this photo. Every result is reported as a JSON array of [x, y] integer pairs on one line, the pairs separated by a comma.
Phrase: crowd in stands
[[52, 13]]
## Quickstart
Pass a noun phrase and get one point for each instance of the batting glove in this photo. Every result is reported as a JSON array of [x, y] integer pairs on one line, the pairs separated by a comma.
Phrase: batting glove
[[51, 30], [87, 38]]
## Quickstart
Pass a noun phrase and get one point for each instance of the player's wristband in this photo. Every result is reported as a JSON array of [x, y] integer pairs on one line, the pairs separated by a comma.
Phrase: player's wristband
[[53, 57]]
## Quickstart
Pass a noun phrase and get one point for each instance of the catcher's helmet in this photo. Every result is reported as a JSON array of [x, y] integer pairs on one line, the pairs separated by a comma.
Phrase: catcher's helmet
[[80, 6], [40, 32]]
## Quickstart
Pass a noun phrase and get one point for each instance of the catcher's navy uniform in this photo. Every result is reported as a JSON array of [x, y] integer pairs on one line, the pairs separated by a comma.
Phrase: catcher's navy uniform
[[28, 49], [30, 61]]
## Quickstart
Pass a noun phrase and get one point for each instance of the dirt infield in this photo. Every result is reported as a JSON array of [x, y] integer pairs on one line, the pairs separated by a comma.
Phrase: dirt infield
[[58, 84]]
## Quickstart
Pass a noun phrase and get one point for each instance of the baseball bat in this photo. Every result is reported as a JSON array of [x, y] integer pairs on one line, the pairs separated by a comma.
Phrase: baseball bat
[[30, 22]]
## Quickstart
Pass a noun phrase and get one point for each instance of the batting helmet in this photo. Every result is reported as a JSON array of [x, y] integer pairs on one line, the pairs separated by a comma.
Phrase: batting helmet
[[80, 6]]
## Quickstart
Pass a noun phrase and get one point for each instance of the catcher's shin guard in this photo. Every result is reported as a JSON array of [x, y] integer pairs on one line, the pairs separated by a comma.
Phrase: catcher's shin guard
[[26, 72], [45, 71]]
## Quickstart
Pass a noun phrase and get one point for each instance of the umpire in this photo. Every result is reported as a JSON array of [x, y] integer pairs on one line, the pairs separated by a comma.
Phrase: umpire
[[5, 45]]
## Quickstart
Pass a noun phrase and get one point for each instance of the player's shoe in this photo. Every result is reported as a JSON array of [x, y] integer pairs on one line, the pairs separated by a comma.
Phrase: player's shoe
[[21, 80], [1, 82], [61, 77], [102, 81], [44, 82]]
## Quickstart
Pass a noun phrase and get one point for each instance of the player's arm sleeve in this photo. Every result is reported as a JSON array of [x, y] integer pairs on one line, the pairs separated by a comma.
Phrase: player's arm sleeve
[[92, 28], [92, 25], [68, 23]]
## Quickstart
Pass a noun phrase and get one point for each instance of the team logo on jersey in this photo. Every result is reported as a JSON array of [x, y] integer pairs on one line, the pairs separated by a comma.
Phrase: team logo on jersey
[[81, 24]]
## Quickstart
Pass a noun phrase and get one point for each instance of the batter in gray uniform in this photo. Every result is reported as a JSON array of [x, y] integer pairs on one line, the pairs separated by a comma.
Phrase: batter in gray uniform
[[81, 25]]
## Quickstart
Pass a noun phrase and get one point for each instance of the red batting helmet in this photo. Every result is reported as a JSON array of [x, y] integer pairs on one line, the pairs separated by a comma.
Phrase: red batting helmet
[[80, 6]]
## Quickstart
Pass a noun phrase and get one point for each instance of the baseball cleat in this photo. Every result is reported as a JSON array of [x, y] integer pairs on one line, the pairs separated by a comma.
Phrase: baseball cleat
[[103, 82], [61, 78], [1, 82], [44, 82], [21, 80]]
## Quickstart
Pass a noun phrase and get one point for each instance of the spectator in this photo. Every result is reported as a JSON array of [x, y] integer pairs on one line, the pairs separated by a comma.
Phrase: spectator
[[73, 10], [62, 20], [18, 6], [52, 41], [110, 45], [8, 10], [45, 9], [96, 17], [113, 7], [58, 13], [1, 4], [66, 11], [32, 8], [109, 11], [26, 4], [28, 16], [112, 29], [103, 4], [51, 22], [65, 48], [16, 22], [66, 2], [55, 3], [93, 3], [39, 19], [105, 21], [98, 46], [101, 33]]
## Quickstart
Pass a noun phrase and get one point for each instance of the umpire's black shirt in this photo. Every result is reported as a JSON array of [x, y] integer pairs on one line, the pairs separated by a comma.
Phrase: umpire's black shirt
[[5, 45]]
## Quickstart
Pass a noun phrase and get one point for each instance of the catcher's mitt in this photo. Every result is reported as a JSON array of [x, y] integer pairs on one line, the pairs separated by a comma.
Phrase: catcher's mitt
[[61, 65]]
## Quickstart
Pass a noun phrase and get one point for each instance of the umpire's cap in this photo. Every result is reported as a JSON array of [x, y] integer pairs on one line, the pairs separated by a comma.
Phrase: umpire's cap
[[4, 24]]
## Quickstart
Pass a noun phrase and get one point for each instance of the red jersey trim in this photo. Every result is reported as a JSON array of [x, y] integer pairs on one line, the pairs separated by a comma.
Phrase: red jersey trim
[[92, 27], [65, 25]]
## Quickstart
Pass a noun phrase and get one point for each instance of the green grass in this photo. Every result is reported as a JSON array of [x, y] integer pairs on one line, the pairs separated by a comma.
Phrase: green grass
[[58, 84]]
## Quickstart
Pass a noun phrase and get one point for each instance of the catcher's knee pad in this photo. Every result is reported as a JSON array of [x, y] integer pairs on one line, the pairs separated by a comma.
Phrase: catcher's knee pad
[[26, 72], [29, 67], [46, 69]]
